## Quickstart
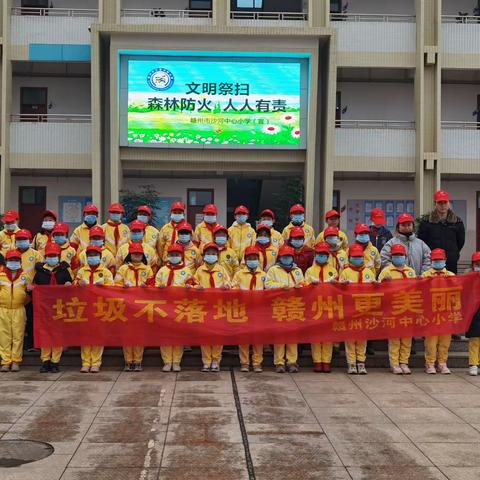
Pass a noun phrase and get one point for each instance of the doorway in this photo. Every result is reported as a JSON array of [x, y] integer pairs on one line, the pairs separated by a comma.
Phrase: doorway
[[33, 104], [32, 202]]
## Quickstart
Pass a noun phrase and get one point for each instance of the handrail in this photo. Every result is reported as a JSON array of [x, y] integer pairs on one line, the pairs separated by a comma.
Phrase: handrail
[[376, 124], [456, 125], [51, 117], [161, 13], [302, 16], [463, 19], [55, 12], [372, 17]]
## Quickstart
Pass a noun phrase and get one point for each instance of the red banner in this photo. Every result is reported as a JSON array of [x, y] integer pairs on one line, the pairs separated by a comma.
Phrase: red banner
[[113, 316]]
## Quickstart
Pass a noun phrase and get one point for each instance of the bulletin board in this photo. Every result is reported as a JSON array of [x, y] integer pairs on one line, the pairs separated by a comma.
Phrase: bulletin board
[[358, 211], [70, 209]]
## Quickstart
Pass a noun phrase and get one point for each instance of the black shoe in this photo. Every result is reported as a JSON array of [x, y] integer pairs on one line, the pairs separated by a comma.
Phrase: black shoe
[[46, 367], [55, 367]]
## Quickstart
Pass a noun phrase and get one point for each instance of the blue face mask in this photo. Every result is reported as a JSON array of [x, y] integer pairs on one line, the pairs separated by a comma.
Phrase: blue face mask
[[59, 239], [22, 244], [210, 218], [298, 219], [398, 260], [263, 240], [136, 236], [321, 258], [90, 219], [267, 222], [439, 264], [210, 259], [356, 261], [174, 260], [332, 240], [221, 241], [14, 265], [286, 260], [252, 264], [10, 227], [116, 217], [48, 225], [184, 237], [51, 261], [97, 243], [241, 218], [362, 238], [177, 217], [93, 261], [143, 218], [297, 243]]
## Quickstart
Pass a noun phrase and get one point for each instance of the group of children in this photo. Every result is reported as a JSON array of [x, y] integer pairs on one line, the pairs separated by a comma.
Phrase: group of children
[[211, 256]]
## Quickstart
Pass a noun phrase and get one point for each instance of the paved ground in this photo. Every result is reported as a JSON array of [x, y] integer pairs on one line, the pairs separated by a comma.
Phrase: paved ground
[[153, 425]]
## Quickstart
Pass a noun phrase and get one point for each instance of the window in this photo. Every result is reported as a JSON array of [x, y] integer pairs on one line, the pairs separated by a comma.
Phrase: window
[[335, 6], [256, 4], [199, 197], [200, 5]]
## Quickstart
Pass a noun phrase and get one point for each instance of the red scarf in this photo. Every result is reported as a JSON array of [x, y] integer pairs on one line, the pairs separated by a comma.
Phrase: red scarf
[[212, 280], [360, 270], [320, 274], [335, 256], [404, 275], [116, 232], [174, 234], [92, 272], [253, 280], [171, 273], [263, 250], [135, 272]]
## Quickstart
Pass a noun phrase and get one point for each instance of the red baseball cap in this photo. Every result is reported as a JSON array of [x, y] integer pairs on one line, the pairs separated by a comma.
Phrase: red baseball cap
[[263, 226], [405, 218], [441, 196], [60, 227], [13, 253], [286, 250], [146, 209], [331, 213], [90, 208], [210, 208], [175, 248], [267, 213], [177, 206], [135, 247], [438, 254], [322, 247], [23, 233], [241, 209], [377, 216], [51, 248], [476, 257], [330, 232], [94, 248], [398, 249], [355, 250], [10, 216], [96, 231], [50, 213], [297, 232], [137, 225], [297, 208], [210, 245], [251, 251], [361, 228], [185, 226], [220, 228], [116, 208]]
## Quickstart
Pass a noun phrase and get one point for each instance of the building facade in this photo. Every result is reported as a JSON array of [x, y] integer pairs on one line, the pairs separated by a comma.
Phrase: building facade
[[392, 112]]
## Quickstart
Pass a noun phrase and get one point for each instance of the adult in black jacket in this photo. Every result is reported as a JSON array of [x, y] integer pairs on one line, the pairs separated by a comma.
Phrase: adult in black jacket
[[379, 234], [441, 228]]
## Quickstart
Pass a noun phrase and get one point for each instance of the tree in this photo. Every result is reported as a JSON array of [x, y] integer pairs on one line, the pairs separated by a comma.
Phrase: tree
[[290, 193], [131, 200]]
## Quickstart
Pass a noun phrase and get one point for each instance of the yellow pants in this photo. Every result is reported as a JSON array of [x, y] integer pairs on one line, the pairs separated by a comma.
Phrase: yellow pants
[[474, 351], [51, 354], [12, 331], [399, 350], [356, 351], [244, 353], [322, 352], [281, 350], [211, 353], [172, 354], [91, 356], [133, 354], [436, 349]]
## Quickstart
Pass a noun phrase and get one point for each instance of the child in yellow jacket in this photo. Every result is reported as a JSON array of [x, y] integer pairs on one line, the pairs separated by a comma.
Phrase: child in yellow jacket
[[398, 348], [285, 274], [356, 272], [321, 272], [30, 257], [135, 273], [116, 232], [371, 254], [94, 273], [436, 347], [227, 257], [174, 274], [250, 277], [97, 237], [168, 234], [192, 258], [211, 275], [14, 288], [266, 246], [241, 234], [332, 217]]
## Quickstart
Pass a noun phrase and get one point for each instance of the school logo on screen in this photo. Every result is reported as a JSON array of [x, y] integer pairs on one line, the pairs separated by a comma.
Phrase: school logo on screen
[[160, 79]]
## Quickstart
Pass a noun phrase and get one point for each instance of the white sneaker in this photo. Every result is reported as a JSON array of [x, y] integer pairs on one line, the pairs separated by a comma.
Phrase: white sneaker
[[473, 370], [257, 369], [206, 367], [94, 369], [176, 367], [361, 369], [167, 367], [85, 369], [15, 367], [352, 369], [396, 370], [5, 368], [442, 368], [430, 369], [405, 369], [215, 367], [244, 367]]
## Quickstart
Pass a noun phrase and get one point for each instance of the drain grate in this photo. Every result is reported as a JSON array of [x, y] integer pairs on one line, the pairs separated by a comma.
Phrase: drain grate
[[14, 453]]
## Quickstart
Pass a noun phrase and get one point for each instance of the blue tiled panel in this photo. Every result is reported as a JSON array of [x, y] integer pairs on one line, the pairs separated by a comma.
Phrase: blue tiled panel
[[59, 53]]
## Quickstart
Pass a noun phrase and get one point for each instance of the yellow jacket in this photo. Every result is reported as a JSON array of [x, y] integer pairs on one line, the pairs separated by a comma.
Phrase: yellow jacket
[[228, 259], [338, 260], [134, 275], [268, 256], [151, 236], [278, 277], [353, 275], [69, 254], [39, 242], [241, 237], [123, 235], [13, 291], [95, 276], [204, 233], [220, 277], [341, 235], [307, 229], [392, 272], [180, 276], [7, 240], [318, 274], [276, 238], [165, 239], [107, 259], [243, 279], [191, 256], [30, 258], [431, 272], [148, 250], [80, 237], [373, 261]]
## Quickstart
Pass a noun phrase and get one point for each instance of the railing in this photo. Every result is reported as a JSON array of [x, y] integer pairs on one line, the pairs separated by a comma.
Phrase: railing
[[161, 13], [55, 12], [379, 124], [51, 117], [461, 125], [278, 16], [371, 17], [460, 19]]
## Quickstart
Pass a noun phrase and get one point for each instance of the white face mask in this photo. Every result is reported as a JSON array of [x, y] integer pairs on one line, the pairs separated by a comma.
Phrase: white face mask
[[210, 218], [48, 224]]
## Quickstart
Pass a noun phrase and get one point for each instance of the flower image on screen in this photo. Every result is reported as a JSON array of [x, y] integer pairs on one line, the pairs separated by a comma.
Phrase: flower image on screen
[[225, 102]]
